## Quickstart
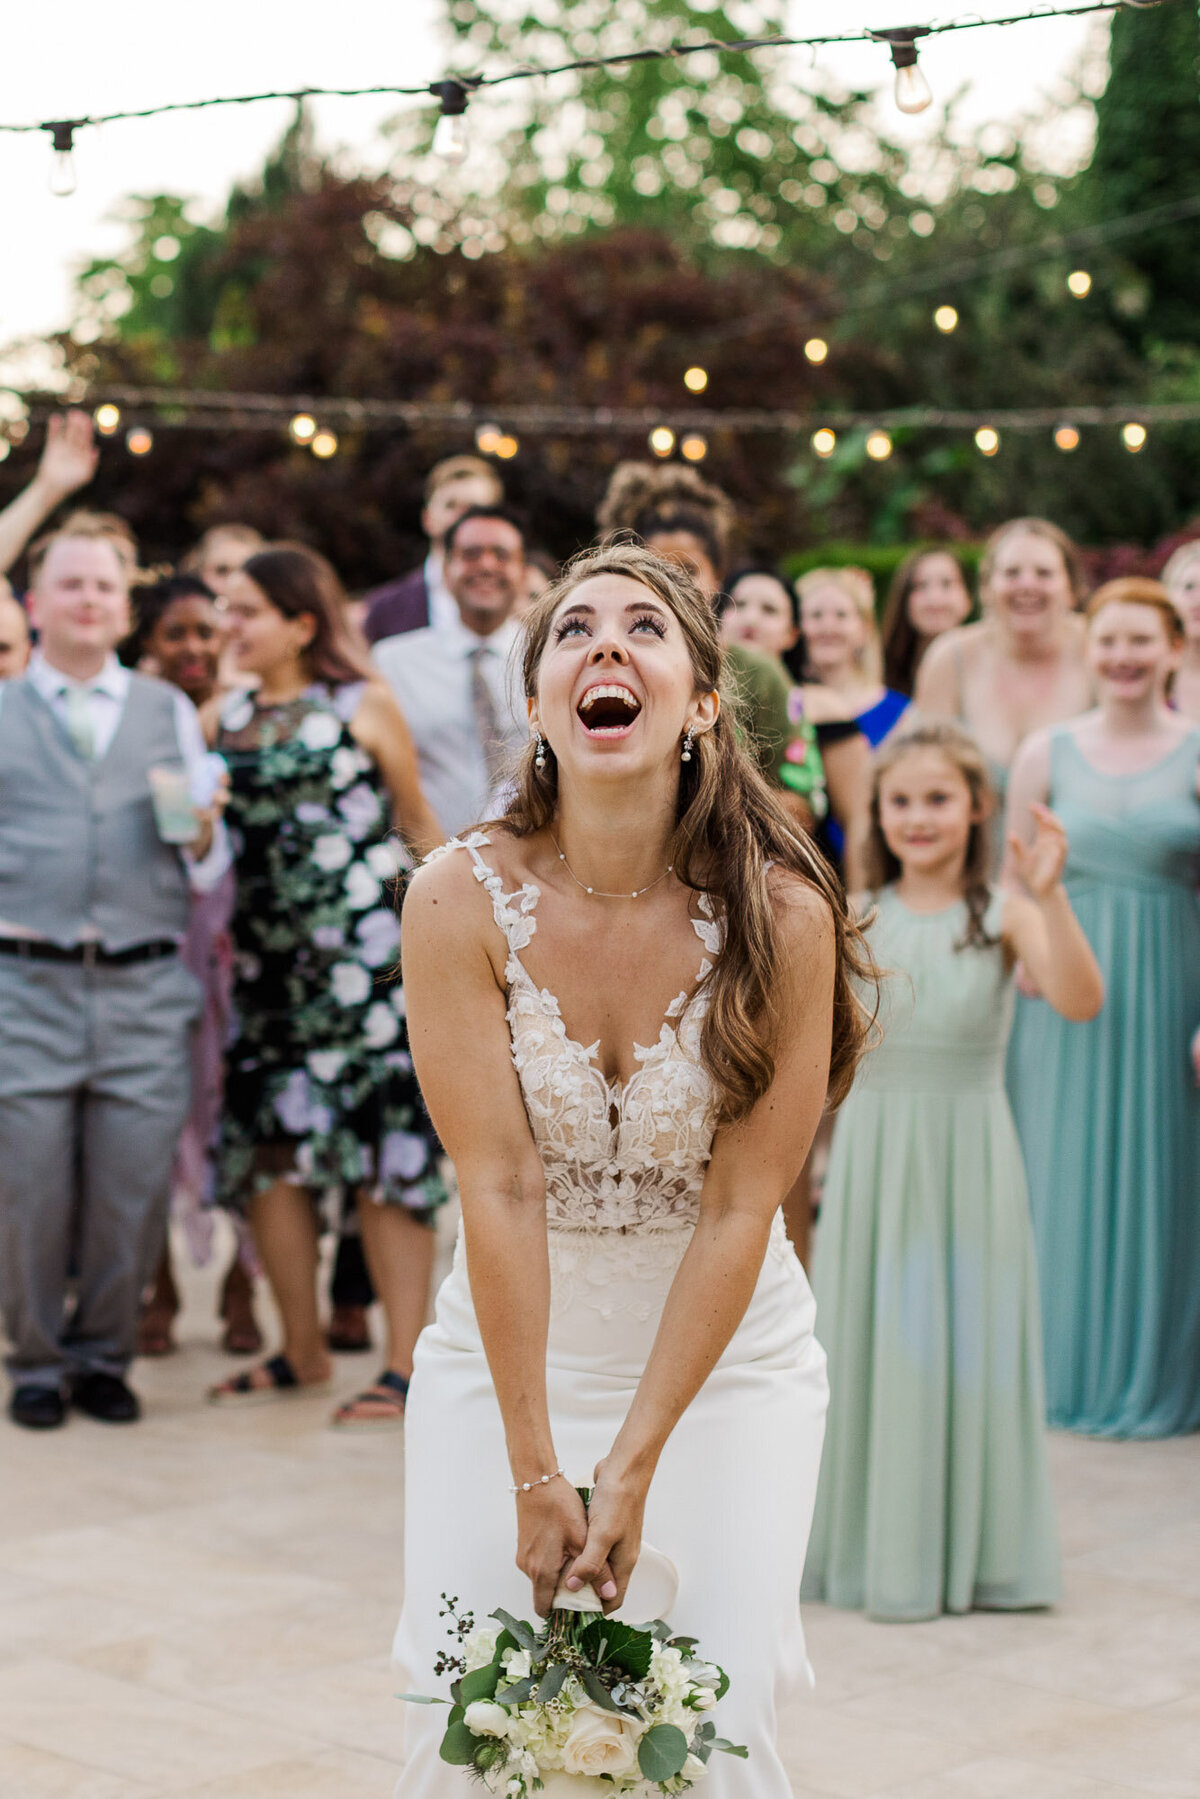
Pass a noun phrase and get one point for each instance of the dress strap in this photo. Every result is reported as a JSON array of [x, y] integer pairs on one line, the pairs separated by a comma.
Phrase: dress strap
[[513, 912]]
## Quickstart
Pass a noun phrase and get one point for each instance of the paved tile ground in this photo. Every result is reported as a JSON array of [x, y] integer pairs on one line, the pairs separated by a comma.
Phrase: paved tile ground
[[200, 1608]]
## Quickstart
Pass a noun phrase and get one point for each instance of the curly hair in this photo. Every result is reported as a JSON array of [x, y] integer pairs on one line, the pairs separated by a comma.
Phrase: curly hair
[[647, 498], [730, 830]]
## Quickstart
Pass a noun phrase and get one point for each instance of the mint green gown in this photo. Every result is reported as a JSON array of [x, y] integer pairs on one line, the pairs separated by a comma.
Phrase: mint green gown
[[934, 1492], [1109, 1114]]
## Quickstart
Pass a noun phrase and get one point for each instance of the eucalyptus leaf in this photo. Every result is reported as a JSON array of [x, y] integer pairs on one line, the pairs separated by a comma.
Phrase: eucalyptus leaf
[[662, 1752], [459, 1746], [517, 1693], [481, 1683], [552, 1682], [731, 1748], [595, 1689], [524, 1637], [419, 1699]]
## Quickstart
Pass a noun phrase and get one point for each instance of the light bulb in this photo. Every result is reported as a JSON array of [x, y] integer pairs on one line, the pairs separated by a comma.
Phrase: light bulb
[[946, 319], [303, 428], [450, 138], [1079, 283], [1066, 437], [879, 446], [816, 349], [325, 444], [696, 380], [824, 442], [662, 440], [507, 446], [62, 161], [912, 92], [987, 441], [107, 417], [1133, 437], [486, 439], [694, 448], [139, 441]]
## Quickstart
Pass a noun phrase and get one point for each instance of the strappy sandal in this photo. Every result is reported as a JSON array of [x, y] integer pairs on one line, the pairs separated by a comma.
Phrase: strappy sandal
[[282, 1382], [385, 1402]]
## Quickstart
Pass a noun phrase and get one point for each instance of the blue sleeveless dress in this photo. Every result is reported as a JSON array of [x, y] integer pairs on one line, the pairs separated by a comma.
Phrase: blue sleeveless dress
[[1109, 1113]]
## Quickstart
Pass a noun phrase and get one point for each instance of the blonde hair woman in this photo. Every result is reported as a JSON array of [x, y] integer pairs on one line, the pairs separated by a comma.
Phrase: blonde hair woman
[[1181, 578], [844, 653]]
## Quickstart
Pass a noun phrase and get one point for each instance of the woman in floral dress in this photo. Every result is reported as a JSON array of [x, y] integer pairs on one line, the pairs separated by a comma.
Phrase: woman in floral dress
[[321, 1100]]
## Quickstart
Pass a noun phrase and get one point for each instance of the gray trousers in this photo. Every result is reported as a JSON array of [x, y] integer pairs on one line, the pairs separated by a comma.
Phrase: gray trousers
[[94, 1089]]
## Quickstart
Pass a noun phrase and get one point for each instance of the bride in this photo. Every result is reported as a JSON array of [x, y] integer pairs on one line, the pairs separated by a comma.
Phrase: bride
[[626, 1002]]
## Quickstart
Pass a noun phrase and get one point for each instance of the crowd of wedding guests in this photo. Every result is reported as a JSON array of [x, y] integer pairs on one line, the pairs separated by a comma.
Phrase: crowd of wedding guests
[[212, 782]]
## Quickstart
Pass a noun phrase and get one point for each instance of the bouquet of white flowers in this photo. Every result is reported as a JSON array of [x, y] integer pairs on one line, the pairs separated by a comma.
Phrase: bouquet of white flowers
[[585, 1704]]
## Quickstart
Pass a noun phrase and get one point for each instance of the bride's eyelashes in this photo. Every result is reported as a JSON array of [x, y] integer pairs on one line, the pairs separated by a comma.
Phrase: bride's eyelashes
[[570, 627]]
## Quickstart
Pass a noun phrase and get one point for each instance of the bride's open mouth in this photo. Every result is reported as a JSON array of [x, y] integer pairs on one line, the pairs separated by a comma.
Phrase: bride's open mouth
[[608, 710]]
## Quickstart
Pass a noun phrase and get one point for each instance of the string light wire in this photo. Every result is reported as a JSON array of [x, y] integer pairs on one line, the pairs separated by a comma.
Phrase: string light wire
[[577, 65]]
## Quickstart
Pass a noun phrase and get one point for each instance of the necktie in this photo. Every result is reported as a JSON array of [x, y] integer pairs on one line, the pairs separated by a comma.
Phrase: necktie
[[487, 725], [80, 728]]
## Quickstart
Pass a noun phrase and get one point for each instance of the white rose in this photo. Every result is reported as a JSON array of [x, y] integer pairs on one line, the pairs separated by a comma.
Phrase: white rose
[[601, 1742], [319, 730], [484, 1718], [351, 983], [480, 1648], [693, 1769], [702, 1699], [331, 851]]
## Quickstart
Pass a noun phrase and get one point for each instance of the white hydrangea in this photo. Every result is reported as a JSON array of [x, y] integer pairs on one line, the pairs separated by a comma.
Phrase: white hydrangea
[[479, 1650]]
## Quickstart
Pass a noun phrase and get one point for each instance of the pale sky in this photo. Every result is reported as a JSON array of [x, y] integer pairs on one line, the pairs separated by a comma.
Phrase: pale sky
[[72, 56]]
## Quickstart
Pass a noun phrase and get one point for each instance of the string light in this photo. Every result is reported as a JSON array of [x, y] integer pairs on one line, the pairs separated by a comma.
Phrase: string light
[[107, 419], [816, 349], [912, 93], [325, 444], [694, 448], [696, 380], [1133, 436], [1079, 282], [62, 159], [824, 442], [507, 446], [1066, 437], [139, 441], [987, 440], [450, 136], [879, 446], [303, 428], [946, 319], [662, 440]]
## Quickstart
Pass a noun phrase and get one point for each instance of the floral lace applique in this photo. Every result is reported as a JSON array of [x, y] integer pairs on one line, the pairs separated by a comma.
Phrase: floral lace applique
[[617, 1157]]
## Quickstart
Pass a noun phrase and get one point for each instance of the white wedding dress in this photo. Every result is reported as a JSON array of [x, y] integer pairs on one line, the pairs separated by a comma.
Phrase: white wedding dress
[[732, 1500]]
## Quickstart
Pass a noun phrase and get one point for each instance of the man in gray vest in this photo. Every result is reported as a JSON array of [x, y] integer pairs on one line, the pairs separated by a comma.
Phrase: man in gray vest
[[95, 1005]]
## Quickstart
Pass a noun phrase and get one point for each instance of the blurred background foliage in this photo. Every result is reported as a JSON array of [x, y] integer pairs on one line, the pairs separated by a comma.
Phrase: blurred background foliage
[[611, 229]]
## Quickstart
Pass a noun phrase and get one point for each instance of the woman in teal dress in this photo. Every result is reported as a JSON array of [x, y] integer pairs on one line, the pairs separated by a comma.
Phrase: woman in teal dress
[[934, 1492], [1109, 1115]]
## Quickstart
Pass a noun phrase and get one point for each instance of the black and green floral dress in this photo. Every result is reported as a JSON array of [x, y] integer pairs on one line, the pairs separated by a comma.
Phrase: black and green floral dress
[[319, 1082]]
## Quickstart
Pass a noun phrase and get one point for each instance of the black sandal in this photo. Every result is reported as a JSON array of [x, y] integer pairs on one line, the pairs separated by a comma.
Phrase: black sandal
[[282, 1380], [388, 1394]]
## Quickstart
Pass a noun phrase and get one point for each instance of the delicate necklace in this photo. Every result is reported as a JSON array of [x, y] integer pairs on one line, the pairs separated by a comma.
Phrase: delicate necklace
[[598, 892]]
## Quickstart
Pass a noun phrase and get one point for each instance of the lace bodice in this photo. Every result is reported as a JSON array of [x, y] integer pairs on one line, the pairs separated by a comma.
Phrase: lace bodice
[[617, 1156]]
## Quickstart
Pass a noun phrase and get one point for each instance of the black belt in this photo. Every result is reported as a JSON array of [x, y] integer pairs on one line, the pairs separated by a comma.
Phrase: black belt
[[36, 949]]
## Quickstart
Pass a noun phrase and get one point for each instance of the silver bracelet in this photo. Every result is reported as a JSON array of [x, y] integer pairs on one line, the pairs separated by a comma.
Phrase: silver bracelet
[[527, 1486]]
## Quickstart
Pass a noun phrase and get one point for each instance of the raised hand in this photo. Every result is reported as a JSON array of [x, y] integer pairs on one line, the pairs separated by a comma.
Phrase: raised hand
[[70, 455], [1040, 864]]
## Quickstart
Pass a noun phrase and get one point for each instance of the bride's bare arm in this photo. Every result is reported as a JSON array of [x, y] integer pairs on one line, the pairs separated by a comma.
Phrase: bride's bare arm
[[458, 1033], [753, 1165]]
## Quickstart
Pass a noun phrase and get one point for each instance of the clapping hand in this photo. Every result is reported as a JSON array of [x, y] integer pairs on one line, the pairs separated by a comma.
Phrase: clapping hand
[[70, 454], [1040, 864]]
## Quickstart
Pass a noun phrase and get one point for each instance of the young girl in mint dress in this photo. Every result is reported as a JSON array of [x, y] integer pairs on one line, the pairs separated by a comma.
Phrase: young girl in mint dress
[[934, 1492], [1109, 1116]]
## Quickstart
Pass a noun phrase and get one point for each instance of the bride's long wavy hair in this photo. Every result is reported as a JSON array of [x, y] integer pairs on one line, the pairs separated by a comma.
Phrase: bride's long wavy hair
[[729, 828]]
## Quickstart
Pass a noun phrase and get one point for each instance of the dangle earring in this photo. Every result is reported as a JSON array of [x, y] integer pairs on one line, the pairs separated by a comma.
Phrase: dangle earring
[[689, 740], [539, 760]]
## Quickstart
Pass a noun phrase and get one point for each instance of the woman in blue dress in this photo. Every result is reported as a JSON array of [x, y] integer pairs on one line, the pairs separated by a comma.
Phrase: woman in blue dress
[[1109, 1112]]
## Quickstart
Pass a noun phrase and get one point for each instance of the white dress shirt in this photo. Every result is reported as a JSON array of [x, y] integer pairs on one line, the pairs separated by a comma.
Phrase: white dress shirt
[[443, 608], [429, 671], [106, 695]]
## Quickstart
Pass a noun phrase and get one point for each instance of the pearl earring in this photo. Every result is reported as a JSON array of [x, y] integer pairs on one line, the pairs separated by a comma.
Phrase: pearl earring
[[539, 760], [689, 740]]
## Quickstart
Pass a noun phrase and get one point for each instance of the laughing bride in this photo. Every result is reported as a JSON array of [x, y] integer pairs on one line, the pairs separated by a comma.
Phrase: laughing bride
[[627, 1002]]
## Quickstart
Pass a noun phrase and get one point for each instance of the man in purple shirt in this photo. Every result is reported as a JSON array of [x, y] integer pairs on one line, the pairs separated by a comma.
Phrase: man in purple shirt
[[421, 597]]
